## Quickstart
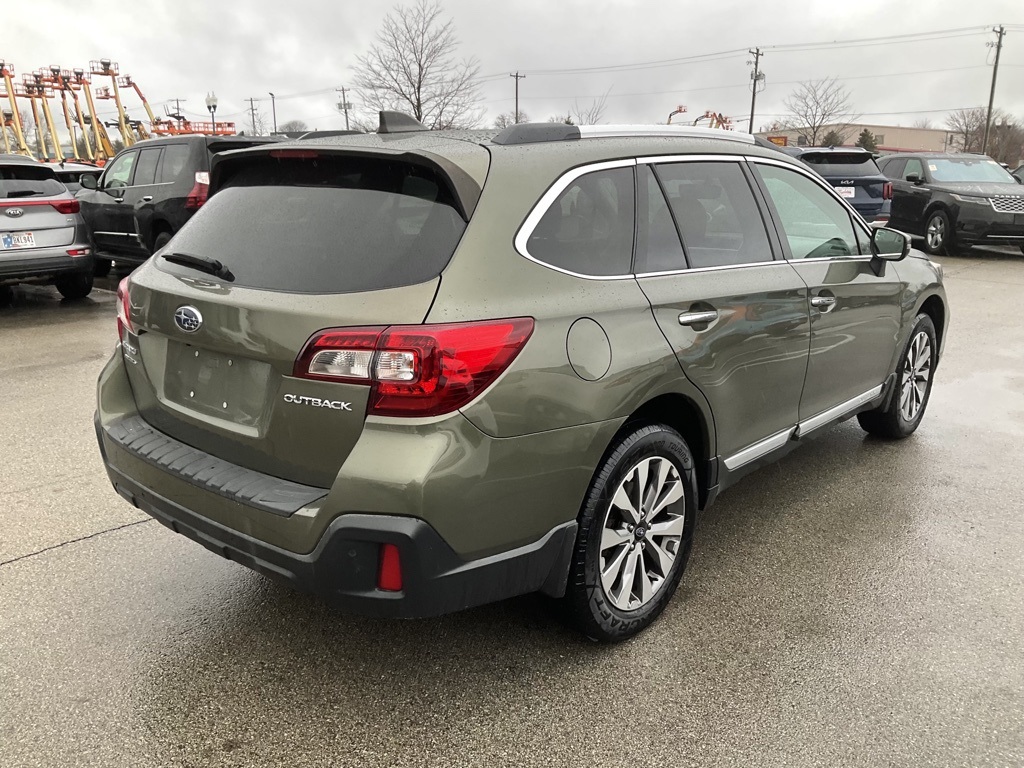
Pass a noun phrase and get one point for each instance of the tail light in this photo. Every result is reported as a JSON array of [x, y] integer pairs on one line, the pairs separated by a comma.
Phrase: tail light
[[61, 206], [124, 318], [200, 191], [416, 370], [887, 191]]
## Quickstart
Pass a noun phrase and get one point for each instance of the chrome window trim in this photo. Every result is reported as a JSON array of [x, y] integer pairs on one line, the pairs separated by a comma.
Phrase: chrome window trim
[[756, 450], [547, 200], [669, 273], [858, 220], [823, 418]]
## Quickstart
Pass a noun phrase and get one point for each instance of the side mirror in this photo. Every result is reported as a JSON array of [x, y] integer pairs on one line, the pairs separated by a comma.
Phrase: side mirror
[[88, 181], [913, 178], [887, 245]]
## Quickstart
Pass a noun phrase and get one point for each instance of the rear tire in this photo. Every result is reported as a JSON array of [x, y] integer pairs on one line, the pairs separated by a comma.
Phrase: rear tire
[[76, 285], [161, 240], [635, 532], [915, 372]]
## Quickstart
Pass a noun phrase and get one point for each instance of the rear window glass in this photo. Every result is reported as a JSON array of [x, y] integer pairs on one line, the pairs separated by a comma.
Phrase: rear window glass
[[325, 225], [842, 163], [28, 181]]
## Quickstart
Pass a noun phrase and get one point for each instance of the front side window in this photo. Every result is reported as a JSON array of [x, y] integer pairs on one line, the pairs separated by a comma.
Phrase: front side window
[[914, 168], [119, 174], [588, 229], [716, 213], [816, 225]]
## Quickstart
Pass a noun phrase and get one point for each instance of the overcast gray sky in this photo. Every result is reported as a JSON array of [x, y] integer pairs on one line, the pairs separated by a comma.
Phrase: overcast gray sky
[[303, 49]]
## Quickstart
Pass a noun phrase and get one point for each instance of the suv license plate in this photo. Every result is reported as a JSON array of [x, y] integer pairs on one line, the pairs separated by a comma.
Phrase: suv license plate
[[847, 191], [18, 240]]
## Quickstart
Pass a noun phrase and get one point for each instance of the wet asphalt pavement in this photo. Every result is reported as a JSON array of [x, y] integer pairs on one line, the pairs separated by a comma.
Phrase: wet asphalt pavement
[[860, 603]]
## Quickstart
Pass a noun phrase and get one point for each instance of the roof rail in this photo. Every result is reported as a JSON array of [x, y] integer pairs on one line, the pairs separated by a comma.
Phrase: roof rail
[[399, 122], [531, 133]]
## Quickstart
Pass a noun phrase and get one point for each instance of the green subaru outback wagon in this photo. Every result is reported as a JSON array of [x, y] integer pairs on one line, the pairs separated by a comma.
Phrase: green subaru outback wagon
[[414, 372]]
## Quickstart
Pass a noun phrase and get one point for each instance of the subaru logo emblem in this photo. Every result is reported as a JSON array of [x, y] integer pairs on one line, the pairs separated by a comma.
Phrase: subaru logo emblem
[[188, 319], [14, 212]]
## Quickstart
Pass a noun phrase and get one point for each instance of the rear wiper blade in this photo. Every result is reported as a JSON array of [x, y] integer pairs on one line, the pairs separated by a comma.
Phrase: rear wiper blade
[[202, 263]]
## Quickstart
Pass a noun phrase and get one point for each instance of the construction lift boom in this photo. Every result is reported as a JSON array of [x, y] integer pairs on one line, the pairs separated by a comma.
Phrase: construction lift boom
[[7, 72]]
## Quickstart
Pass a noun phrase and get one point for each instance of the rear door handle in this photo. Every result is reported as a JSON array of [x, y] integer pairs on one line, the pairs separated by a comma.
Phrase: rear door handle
[[698, 318], [823, 301], [147, 199]]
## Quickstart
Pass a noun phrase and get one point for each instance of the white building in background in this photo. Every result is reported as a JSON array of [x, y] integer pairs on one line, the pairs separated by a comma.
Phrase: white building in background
[[888, 138]]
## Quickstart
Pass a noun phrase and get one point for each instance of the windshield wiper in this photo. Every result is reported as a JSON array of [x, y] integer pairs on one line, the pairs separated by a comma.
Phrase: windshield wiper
[[202, 263]]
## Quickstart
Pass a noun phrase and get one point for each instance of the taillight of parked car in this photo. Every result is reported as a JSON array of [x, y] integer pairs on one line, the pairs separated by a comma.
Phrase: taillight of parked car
[[416, 370], [61, 206], [200, 191], [124, 318], [887, 191]]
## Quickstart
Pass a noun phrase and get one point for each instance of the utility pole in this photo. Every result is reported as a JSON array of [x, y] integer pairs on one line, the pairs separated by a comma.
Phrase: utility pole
[[756, 84], [273, 108], [1000, 31], [344, 105], [252, 111], [518, 77]]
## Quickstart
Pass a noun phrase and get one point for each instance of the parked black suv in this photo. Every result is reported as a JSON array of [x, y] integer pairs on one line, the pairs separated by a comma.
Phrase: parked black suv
[[147, 192], [853, 173], [955, 201]]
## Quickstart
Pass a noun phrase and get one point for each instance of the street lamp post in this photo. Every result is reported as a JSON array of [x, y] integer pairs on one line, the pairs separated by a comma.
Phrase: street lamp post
[[273, 109], [211, 104]]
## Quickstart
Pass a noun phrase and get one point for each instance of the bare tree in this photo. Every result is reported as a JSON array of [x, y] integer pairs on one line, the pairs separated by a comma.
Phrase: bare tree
[[590, 115], [817, 105], [505, 119], [967, 127], [412, 68], [257, 122], [293, 126], [921, 122], [566, 118]]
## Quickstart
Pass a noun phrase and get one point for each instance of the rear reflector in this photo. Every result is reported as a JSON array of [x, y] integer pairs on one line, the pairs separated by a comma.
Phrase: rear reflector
[[416, 370], [78, 251], [389, 576]]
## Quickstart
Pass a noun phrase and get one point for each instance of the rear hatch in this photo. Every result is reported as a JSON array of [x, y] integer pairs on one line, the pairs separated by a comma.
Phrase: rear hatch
[[313, 240], [35, 211], [855, 176]]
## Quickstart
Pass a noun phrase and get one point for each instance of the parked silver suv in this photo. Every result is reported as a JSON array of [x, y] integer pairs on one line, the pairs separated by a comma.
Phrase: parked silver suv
[[42, 236]]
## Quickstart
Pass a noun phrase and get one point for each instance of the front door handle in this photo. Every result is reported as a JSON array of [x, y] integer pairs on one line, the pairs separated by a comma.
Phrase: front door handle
[[824, 303], [147, 199], [698, 318]]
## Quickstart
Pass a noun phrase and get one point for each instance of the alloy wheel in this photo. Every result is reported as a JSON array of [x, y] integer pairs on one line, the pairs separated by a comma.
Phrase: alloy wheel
[[936, 233], [917, 370], [642, 533]]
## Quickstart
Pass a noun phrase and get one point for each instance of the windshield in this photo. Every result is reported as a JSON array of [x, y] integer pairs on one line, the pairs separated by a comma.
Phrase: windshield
[[968, 169], [331, 224], [28, 181], [851, 164]]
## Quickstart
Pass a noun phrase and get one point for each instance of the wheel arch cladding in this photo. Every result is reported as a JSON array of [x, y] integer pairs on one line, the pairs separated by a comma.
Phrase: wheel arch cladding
[[936, 310], [681, 414]]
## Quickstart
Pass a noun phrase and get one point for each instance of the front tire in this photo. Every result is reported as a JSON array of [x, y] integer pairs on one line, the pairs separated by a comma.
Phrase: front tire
[[635, 533], [76, 285], [915, 372], [161, 240], [938, 235]]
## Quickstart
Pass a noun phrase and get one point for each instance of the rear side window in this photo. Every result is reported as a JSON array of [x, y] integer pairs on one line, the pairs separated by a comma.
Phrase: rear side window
[[28, 181], [330, 224], [658, 248], [849, 164], [174, 161], [588, 229], [145, 168], [714, 207]]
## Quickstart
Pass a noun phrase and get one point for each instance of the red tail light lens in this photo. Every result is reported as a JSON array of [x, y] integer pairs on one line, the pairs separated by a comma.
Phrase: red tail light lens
[[200, 191], [418, 370], [887, 191], [302, 154], [66, 206], [124, 318], [389, 575]]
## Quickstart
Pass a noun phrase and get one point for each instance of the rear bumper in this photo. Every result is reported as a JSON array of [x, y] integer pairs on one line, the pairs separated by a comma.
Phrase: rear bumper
[[41, 263], [342, 567]]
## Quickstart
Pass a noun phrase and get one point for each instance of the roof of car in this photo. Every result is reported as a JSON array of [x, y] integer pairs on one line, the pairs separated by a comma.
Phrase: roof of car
[[77, 167], [18, 160]]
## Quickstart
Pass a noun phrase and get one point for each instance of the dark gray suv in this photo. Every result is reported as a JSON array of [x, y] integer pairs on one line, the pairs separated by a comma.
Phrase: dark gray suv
[[419, 371]]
